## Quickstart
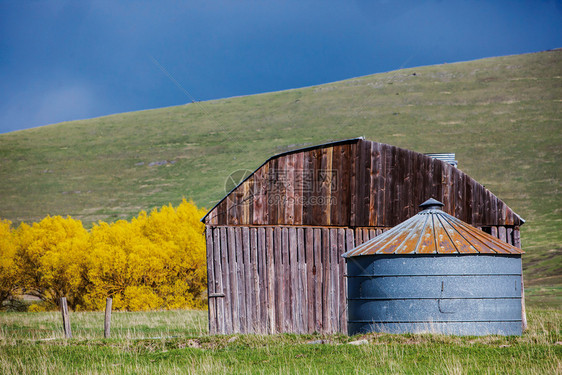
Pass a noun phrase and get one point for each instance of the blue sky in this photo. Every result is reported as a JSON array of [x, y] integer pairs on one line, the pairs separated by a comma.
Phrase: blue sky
[[67, 60]]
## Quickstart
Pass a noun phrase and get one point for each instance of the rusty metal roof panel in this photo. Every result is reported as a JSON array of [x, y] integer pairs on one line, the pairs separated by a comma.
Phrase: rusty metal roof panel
[[433, 231]]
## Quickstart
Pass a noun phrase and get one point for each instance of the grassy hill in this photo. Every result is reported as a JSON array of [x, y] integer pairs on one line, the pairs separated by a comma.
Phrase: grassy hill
[[502, 117]]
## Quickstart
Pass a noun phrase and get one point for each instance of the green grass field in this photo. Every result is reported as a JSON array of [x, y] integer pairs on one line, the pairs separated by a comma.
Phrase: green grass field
[[175, 342], [502, 117]]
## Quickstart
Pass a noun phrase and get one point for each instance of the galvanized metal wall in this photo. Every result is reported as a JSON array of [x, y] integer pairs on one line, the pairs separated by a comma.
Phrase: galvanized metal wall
[[451, 294]]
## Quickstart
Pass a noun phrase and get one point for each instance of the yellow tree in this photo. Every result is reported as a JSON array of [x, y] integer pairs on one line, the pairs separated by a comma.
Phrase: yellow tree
[[9, 274], [51, 255], [124, 265], [180, 231], [154, 261]]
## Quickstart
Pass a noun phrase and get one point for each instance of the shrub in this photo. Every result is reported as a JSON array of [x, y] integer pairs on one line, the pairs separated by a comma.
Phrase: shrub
[[51, 259], [155, 261], [9, 273], [37, 307]]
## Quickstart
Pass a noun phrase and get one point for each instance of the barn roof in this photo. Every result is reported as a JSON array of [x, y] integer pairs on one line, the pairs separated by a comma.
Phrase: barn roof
[[433, 231], [355, 183]]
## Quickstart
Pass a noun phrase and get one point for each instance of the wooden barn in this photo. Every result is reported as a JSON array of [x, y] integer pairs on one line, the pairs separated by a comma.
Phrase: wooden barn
[[274, 243]]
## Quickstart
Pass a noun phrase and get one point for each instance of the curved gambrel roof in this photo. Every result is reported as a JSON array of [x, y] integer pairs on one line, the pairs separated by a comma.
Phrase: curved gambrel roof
[[355, 183]]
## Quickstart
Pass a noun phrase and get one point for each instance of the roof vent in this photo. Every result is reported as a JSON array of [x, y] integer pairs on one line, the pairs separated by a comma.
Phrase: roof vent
[[431, 204], [447, 158]]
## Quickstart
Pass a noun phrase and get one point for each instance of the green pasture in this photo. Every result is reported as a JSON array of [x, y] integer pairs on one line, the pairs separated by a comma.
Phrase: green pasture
[[176, 342]]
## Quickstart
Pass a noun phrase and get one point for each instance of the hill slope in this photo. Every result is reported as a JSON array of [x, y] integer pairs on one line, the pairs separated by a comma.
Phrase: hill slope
[[501, 116]]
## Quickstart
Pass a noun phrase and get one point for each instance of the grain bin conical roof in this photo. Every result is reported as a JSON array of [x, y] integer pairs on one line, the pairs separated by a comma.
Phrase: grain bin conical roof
[[433, 231]]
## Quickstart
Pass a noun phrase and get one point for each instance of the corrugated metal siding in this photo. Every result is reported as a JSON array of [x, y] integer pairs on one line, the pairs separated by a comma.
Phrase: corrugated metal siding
[[451, 294], [448, 158]]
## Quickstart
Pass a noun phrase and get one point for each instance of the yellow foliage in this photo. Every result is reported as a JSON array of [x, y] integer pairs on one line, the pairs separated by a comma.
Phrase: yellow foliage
[[141, 298], [51, 256], [155, 261], [8, 269], [36, 308]]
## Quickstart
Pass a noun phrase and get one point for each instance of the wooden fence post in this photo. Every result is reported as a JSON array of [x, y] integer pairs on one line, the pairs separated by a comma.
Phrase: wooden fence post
[[65, 318], [107, 322]]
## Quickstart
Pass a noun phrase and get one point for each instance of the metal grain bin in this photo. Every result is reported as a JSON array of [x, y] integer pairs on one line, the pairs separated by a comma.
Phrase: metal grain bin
[[434, 273]]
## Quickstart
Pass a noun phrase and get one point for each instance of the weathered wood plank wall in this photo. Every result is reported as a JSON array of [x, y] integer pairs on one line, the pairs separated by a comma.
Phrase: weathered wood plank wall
[[288, 280]]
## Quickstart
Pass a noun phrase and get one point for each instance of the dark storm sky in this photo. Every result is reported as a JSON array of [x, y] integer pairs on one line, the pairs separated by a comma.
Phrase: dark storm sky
[[67, 60]]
